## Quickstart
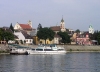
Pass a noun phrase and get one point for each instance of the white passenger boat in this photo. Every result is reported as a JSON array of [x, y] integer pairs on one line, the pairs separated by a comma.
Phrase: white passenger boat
[[45, 49], [18, 50]]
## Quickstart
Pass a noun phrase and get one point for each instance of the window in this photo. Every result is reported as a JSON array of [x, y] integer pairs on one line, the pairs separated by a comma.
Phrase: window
[[39, 49]]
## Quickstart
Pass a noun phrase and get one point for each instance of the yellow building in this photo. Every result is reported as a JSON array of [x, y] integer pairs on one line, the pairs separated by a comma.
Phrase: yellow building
[[35, 40], [47, 41]]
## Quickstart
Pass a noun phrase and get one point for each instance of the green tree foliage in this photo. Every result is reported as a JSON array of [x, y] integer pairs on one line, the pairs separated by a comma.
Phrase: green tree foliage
[[11, 27], [77, 31], [39, 26], [45, 33], [94, 36], [1, 34], [98, 38], [8, 36], [65, 37], [5, 35]]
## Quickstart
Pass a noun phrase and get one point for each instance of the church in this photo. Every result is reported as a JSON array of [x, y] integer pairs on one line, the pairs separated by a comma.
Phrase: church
[[91, 30], [56, 29]]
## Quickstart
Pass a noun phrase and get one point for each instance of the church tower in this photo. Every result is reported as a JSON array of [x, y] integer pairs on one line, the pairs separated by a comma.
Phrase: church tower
[[62, 25], [91, 30], [30, 23]]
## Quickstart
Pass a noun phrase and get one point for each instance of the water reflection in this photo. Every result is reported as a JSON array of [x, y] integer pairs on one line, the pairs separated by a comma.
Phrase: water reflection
[[70, 62]]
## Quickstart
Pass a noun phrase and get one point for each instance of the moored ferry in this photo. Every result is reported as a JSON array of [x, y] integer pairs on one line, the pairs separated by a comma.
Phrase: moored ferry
[[47, 49], [18, 50]]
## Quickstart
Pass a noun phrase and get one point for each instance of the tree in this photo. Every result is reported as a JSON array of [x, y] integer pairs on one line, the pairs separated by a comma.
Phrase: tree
[[1, 34], [65, 37], [8, 36], [98, 38], [45, 33], [11, 27], [77, 31], [39, 26], [94, 36]]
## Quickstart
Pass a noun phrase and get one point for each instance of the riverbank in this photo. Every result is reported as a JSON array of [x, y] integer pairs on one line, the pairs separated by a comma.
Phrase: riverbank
[[81, 48], [4, 49], [78, 48]]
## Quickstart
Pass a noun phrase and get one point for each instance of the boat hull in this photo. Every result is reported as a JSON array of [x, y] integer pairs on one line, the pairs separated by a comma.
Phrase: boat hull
[[46, 52], [19, 53]]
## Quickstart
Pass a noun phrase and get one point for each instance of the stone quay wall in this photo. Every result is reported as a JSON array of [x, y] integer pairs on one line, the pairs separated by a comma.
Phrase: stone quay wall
[[4, 49], [81, 48]]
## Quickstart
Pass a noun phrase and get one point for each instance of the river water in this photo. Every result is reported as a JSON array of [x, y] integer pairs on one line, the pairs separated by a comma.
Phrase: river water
[[70, 62]]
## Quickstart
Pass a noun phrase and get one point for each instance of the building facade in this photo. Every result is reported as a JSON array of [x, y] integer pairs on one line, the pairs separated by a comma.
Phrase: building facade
[[26, 27], [83, 39], [22, 35]]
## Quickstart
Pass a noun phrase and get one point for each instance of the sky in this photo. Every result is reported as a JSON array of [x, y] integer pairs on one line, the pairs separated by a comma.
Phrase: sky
[[77, 14]]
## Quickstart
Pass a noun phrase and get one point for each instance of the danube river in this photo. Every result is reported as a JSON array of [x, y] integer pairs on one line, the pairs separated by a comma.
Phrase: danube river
[[70, 62]]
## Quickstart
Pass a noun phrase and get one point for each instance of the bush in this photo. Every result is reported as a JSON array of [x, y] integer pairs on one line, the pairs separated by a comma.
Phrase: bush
[[70, 49]]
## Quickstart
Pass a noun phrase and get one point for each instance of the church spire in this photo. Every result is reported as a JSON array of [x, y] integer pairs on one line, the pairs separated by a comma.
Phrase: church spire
[[62, 19], [62, 25], [91, 30]]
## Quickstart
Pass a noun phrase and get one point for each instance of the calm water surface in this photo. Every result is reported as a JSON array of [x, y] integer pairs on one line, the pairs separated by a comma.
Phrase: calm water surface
[[70, 62]]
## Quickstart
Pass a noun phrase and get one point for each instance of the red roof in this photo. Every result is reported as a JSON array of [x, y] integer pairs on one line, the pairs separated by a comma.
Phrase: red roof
[[56, 28], [56, 36], [25, 26]]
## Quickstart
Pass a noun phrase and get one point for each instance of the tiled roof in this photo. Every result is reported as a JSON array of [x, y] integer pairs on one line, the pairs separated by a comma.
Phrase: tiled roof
[[82, 35], [25, 26], [26, 35], [55, 28], [56, 36], [7, 29]]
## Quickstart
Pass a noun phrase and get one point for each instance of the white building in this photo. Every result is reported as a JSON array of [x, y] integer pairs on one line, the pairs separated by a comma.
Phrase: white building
[[22, 35], [26, 27]]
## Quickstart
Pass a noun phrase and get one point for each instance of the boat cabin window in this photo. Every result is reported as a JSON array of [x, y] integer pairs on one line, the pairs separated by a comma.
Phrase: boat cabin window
[[33, 49], [52, 45], [48, 50], [39, 49], [10, 49], [13, 49]]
